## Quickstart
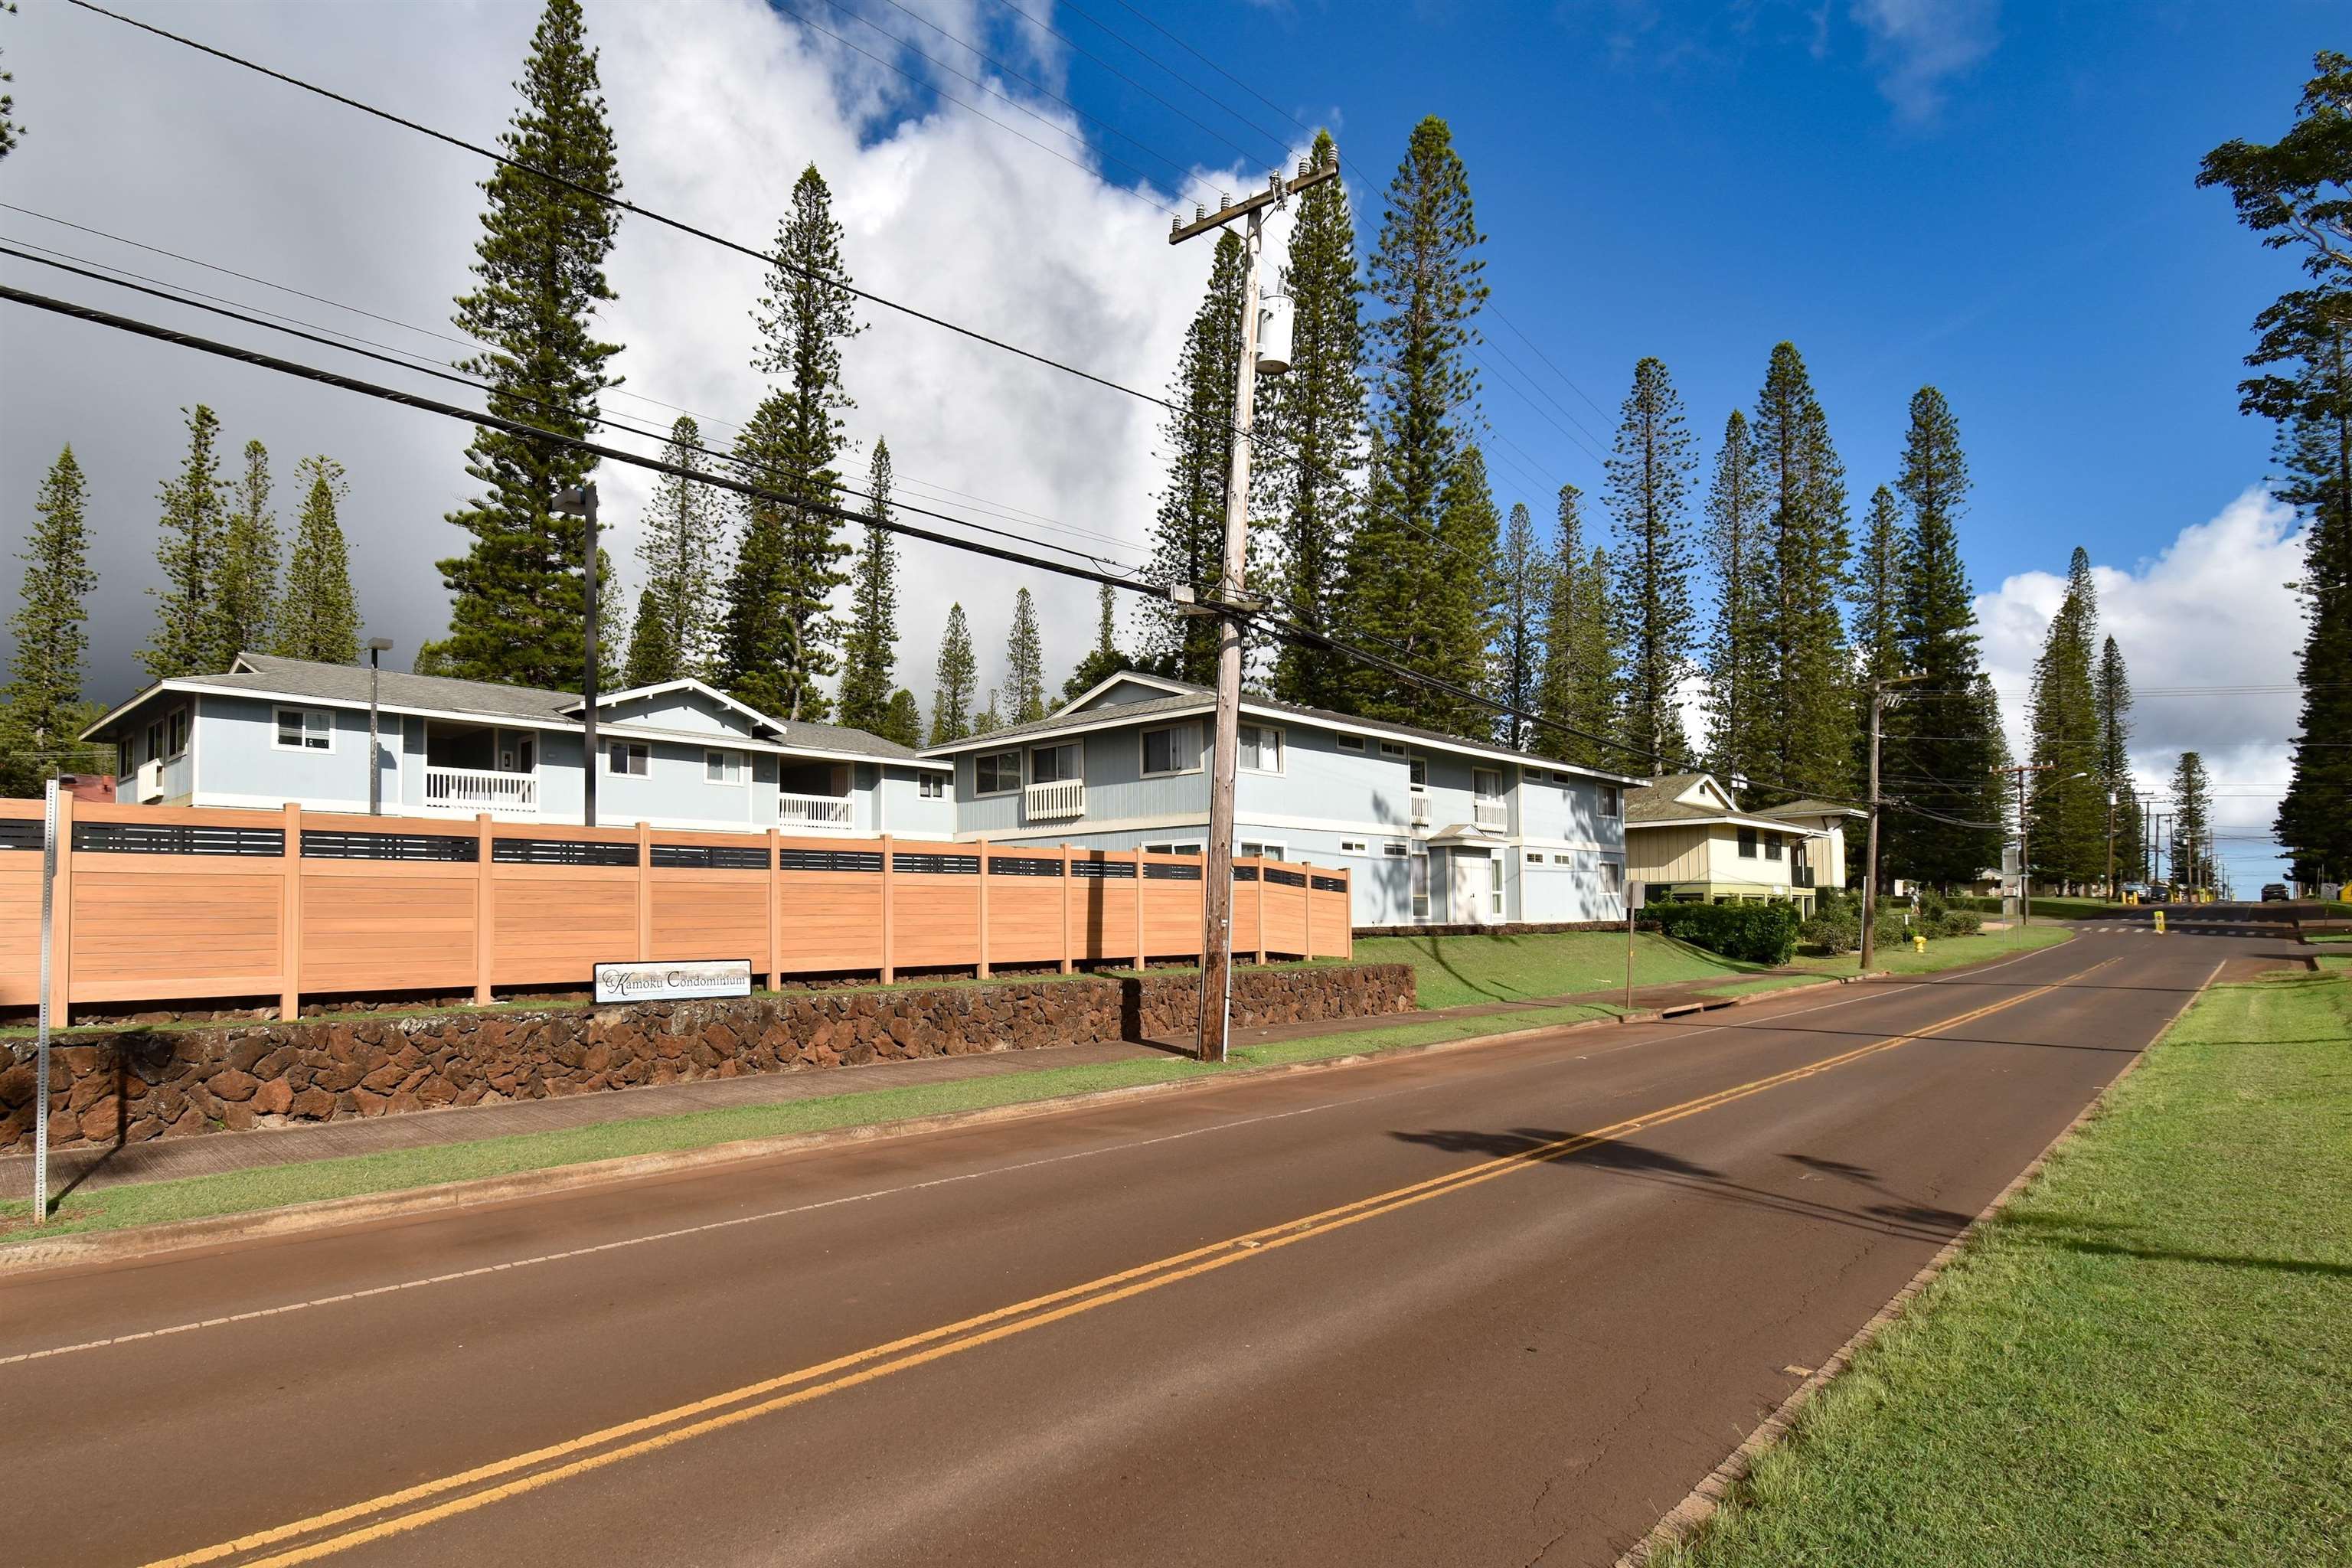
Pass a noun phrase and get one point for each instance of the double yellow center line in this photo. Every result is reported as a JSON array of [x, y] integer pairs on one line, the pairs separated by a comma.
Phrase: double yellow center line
[[412, 1507]]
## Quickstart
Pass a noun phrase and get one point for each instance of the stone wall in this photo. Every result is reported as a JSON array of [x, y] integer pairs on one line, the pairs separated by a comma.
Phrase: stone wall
[[134, 1084]]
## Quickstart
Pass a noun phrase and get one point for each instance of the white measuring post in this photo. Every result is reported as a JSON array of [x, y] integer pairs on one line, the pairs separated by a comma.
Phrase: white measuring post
[[41, 1032]]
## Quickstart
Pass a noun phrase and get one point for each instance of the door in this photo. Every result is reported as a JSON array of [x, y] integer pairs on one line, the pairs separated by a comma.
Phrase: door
[[1476, 886]]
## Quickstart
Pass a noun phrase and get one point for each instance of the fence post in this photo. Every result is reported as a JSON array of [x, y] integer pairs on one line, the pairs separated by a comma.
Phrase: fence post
[[61, 920], [982, 971], [644, 891], [289, 918], [485, 920], [1066, 909], [890, 948], [1347, 906], [775, 921], [1261, 910], [1139, 954]]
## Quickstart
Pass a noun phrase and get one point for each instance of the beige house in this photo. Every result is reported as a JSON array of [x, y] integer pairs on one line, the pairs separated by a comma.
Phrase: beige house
[[1687, 840]]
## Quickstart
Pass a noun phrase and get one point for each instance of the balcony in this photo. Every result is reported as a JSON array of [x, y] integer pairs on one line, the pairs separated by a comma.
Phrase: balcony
[[470, 791], [813, 813], [1801, 876], [1421, 809], [1492, 813], [1054, 802]]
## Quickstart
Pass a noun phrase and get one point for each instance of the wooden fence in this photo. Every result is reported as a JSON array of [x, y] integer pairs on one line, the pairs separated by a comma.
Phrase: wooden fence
[[170, 903]]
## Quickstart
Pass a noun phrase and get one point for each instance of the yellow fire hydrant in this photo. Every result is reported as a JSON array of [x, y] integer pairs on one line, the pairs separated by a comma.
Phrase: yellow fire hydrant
[[1919, 942]]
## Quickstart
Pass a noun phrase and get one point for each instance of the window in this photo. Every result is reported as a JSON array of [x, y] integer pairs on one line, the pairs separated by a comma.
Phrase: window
[[630, 757], [126, 758], [1270, 851], [178, 725], [1393, 849], [1053, 764], [1613, 875], [1534, 858], [996, 772], [1350, 743], [931, 786], [1191, 848], [1748, 844], [1390, 749], [722, 767], [154, 742], [1494, 886], [1176, 749], [1352, 846], [1486, 783], [1261, 748], [1771, 847], [1570, 778], [1419, 875], [1611, 798], [299, 730]]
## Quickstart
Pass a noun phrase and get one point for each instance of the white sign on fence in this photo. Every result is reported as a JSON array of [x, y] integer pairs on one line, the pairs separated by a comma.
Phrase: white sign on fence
[[673, 981]]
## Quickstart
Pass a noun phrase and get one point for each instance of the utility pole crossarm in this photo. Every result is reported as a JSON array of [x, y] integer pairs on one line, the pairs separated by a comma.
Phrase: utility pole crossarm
[[1276, 189]]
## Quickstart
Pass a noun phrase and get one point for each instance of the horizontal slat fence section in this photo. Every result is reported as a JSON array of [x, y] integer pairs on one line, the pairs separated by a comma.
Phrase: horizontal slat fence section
[[157, 903]]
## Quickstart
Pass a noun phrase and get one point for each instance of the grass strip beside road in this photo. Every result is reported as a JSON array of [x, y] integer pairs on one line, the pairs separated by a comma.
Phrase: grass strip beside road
[[1943, 952], [1454, 971], [2139, 1361], [274, 1186]]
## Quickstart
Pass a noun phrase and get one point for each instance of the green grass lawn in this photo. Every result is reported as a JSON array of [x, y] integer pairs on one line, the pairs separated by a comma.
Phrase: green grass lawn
[[2141, 1361], [1455, 970], [1943, 952], [2057, 909], [242, 1192]]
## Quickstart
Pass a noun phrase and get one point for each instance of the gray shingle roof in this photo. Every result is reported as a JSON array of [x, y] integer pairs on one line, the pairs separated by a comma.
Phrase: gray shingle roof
[[1660, 801]]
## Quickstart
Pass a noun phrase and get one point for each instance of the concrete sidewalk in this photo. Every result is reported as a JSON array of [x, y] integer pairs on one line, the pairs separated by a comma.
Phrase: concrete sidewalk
[[162, 1160]]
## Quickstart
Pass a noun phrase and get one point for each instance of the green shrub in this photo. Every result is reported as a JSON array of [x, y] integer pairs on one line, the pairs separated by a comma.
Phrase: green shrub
[[1753, 933], [1835, 926]]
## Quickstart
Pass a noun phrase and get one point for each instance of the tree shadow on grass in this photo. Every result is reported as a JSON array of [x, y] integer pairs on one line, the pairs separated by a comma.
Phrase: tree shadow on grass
[[2067, 1231]]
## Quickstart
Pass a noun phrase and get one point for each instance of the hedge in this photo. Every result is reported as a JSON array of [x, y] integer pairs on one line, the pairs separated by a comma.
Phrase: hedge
[[1753, 933]]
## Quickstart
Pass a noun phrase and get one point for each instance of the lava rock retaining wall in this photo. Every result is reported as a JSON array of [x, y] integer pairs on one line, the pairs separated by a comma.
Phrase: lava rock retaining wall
[[134, 1084]]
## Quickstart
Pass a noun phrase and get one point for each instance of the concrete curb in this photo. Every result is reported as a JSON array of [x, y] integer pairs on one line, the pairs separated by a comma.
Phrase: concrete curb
[[145, 1241], [1683, 1521]]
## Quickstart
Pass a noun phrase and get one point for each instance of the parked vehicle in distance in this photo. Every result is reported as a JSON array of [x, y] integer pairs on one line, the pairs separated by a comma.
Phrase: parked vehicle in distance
[[2274, 892]]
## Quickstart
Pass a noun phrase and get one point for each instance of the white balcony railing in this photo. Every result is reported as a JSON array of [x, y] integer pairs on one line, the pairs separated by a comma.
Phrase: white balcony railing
[[1421, 809], [1495, 814], [473, 790], [1054, 801], [813, 813]]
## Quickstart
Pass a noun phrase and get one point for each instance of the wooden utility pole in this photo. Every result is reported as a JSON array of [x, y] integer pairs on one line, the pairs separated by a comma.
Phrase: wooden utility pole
[[1230, 603], [2024, 843], [1870, 863]]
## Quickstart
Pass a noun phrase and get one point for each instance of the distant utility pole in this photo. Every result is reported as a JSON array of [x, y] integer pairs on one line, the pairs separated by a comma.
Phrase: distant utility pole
[[1870, 871], [2024, 845], [580, 501], [1229, 601], [2113, 896]]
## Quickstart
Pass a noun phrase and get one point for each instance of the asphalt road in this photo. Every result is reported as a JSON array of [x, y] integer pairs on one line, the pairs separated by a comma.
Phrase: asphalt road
[[1498, 1305]]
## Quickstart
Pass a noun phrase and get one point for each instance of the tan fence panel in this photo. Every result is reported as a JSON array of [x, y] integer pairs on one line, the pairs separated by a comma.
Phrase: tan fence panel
[[20, 912], [1024, 916], [366, 922], [831, 921], [167, 926], [935, 924], [1102, 912], [710, 914], [553, 924], [1171, 907], [1334, 917], [1285, 914]]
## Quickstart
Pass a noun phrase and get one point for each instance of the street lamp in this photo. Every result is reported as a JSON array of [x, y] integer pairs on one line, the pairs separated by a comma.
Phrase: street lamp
[[580, 501], [377, 647]]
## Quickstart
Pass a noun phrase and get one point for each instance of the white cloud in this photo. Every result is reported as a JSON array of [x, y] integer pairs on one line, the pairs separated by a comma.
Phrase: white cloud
[[2212, 610], [1918, 45], [716, 107]]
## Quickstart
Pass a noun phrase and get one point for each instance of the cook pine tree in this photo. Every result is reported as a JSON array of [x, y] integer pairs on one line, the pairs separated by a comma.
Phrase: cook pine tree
[[1576, 687], [2292, 192], [247, 593], [1873, 597], [2068, 808], [1188, 529], [1735, 656], [45, 710], [1313, 447], [682, 545], [1523, 573], [1649, 474], [1024, 664], [780, 635], [2110, 695], [2193, 861], [870, 646], [192, 532], [902, 722], [953, 680], [1104, 659], [317, 616], [1809, 748], [519, 591], [1417, 575]]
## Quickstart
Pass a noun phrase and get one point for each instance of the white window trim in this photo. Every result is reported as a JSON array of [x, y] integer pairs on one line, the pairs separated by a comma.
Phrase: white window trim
[[1144, 770], [1349, 743], [1494, 773], [1281, 851], [1077, 746], [736, 762], [630, 750], [1354, 847], [930, 786], [1395, 850], [1173, 846], [1012, 788], [1281, 747], [276, 737], [1393, 749]]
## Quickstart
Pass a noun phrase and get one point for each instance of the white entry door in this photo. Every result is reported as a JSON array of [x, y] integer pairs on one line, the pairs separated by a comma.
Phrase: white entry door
[[1476, 886]]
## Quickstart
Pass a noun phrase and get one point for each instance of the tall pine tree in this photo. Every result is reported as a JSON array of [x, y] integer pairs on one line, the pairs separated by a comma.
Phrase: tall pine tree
[[2069, 800], [2193, 860], [957, 674], [2296, 193], [1943, 733], [1103, 661], [1315, 434], [2110, 695], [870, 647], [683, 539], [1649, 480], [317, 617], [1416, 578], [1737, 666], [1874, 602], [1524, 582], [1188, 532], [1811, 748], [1025, 665], [779, 634], [539, 268], [902, 722], [44, 709], [248, 577], [187, 621], [1577, 688]]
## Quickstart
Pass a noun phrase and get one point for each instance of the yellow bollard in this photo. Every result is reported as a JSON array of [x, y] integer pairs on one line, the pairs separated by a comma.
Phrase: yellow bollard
[[2160, 923]]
